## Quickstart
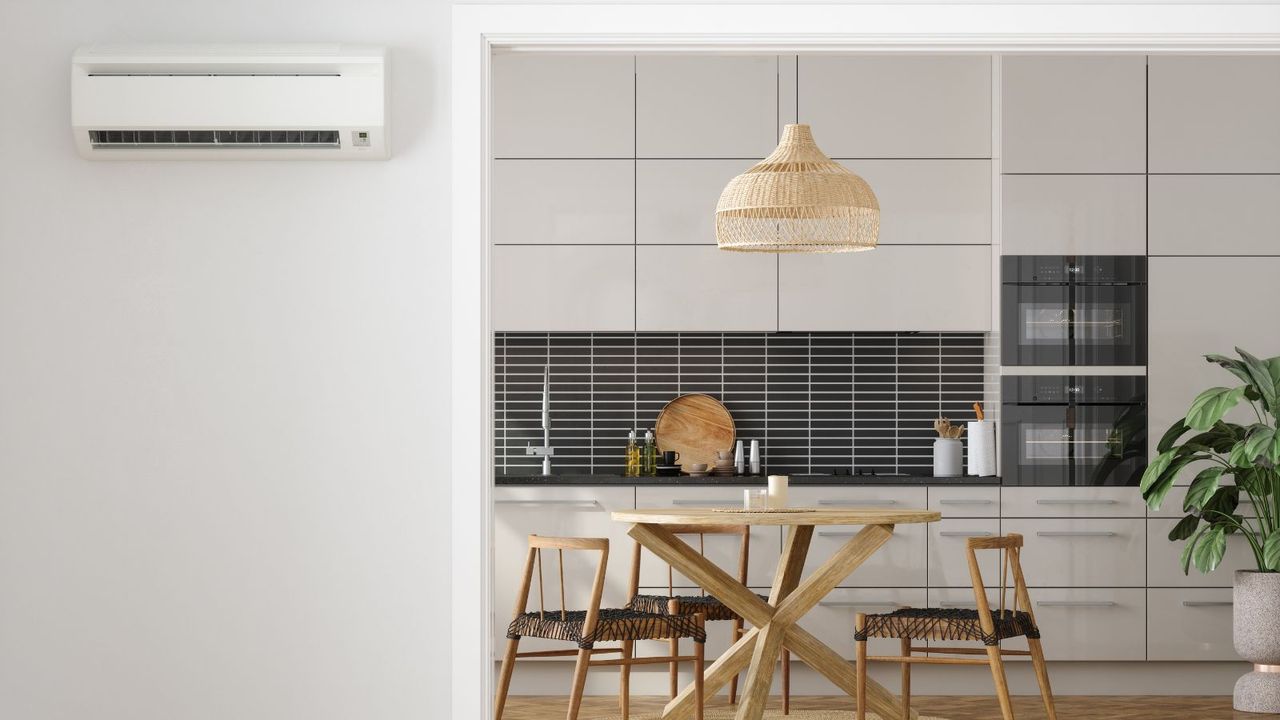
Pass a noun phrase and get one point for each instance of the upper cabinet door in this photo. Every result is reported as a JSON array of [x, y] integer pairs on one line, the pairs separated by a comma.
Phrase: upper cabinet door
[[1215, 214], [1074, 215], [563, 106], [1077, 114], [1214, 114], [706, 106], [571, 288], [687, 288], [676, 199], [930, 201], [897, 106], [562, 202], [891, 288]]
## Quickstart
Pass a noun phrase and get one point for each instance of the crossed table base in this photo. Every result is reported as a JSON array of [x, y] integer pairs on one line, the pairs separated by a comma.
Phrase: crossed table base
[[774, 622]]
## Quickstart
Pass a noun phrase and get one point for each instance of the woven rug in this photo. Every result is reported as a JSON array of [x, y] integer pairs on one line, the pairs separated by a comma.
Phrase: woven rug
[[770, 714]]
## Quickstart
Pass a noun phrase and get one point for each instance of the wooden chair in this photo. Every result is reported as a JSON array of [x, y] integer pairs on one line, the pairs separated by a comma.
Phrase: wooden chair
[[702, 604], [587, 627], [931, 624]]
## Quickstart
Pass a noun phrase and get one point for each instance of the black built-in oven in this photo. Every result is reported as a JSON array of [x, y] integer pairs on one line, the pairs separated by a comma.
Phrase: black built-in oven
[[1073, 310], [1073, 430]]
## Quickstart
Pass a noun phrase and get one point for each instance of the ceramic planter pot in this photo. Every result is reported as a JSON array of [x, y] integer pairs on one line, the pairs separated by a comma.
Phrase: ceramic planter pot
[[1256, 632]]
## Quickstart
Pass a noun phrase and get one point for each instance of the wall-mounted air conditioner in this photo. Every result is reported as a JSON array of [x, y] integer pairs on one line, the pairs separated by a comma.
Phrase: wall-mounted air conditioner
[[278, 102]]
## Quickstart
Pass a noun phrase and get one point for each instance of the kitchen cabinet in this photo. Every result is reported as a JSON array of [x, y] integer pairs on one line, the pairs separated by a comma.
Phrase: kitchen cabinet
[[1074, 215], [1164, 560], [1074, 114], [701, 288], [564, 511], [1214, 113], [706, 106], [1072, 502], [1081, 552], [563, 202], [1201, 305], [956, 502], [766, 541], [1189, 624], [676, 199], [832, 618], [897, 106], [890, 288], [563, 288], [900, 563], [1091, 623], [948, 553], [1215, 214], [563, 106], [939, 202]]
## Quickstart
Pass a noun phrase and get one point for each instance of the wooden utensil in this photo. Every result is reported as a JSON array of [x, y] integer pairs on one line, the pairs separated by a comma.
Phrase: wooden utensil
[[977, 410], [696, 426]]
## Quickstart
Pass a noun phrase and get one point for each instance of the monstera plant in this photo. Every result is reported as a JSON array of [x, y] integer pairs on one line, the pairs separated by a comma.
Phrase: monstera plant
[[1248, 454]]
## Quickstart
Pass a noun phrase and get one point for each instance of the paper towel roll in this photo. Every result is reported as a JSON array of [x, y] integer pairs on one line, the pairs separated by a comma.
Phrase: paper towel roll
[[982, 447]]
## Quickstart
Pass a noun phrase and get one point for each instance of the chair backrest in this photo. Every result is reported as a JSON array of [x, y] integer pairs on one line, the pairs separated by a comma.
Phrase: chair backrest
[[538, 543], [1010, 549], [744, 551]]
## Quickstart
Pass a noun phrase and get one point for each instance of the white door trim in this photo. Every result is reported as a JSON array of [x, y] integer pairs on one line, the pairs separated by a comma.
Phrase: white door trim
[[480, 29]]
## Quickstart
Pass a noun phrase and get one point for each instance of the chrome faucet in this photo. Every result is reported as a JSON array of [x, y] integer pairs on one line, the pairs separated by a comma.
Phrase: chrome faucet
[[545, 451]]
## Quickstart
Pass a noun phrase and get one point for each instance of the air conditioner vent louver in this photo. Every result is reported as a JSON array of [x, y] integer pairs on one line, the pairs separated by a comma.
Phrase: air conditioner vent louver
[[134, 139]]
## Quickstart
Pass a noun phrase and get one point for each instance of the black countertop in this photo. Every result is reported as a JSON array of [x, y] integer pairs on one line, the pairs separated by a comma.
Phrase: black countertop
[[740, 480]]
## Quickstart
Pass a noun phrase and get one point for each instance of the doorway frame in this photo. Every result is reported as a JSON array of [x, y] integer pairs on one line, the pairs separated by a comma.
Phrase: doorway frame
[[479, 30]]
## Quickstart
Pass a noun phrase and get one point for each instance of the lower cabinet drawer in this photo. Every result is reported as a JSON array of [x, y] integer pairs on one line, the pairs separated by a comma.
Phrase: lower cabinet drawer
[[1164, 563], [1189, 624], [1081, 552], [832, 620], [948, 556], [1075, 623], [953, 501], [1072, 502], [900, 562]]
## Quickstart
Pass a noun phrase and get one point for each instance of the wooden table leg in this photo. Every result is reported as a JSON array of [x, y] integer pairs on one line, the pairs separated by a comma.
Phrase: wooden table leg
[[718, 674], [755, 691]]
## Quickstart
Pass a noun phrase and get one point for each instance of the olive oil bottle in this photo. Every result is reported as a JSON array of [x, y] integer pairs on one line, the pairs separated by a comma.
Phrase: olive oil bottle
[[633, 456]]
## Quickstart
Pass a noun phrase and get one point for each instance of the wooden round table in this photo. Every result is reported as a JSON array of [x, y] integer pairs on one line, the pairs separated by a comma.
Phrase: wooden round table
[[774, 622]]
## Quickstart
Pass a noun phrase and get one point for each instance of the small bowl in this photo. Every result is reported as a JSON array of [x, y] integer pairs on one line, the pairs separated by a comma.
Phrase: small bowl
[[696, 467]]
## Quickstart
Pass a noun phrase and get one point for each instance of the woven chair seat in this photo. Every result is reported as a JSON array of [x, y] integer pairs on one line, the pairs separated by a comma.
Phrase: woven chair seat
[[947, 624], [613, 624], [709, 607]]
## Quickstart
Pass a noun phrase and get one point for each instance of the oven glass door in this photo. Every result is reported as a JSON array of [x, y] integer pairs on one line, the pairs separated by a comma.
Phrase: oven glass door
[[1110, 444], [1036, 324], [1037, 445], [1109, 325]]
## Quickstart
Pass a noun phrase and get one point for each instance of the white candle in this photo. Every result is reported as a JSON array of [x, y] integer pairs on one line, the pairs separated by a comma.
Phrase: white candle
[[778, 491]]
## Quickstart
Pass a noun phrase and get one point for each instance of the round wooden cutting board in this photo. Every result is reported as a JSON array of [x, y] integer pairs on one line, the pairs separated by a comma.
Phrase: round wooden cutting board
[[696, 426]]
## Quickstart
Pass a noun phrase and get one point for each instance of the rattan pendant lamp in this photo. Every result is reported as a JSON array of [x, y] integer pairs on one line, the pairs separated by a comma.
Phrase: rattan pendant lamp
[[797, 200]]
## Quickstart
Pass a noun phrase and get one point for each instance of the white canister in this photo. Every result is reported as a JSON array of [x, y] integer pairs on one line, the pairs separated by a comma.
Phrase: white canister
[[946, 457], [778, 490], [982, 447]]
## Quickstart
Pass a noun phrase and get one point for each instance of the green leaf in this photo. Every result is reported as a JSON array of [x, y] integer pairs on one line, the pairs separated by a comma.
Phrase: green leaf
[[1156, 483], [1232, 365], [1185, 528], [1189, 549], [1273, 454], [1209, 551], [1171, 435], [1271, 551], [1261, 379], [1202, 488], [1224, 502], [1210, 405], [1259, 441], [1273, 368]]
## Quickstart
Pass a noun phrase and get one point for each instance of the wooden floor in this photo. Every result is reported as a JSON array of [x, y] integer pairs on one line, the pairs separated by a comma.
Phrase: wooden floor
[[952, 708]]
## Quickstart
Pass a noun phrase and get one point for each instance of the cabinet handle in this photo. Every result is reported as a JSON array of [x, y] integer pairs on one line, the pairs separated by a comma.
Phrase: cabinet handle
[[1075, 603], [721, 502], [848, 533], [851, 604], [965, 533], [965, 502], [952, 604], [1207, 603], [1082, 501], [582, 504], [1074, 533], [855, 503]]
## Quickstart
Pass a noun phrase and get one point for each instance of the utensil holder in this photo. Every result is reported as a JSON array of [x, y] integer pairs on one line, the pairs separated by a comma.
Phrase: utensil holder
[[947, 453]]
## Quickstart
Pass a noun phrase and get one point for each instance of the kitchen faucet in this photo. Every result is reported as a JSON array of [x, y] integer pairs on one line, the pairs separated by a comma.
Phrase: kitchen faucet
[[545, 451]]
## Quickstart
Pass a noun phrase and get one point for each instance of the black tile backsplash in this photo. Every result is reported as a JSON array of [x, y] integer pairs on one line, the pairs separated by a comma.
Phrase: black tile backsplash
[[815, 401]]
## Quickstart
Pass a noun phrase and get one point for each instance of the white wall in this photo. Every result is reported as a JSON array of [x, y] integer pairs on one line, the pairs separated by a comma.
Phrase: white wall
[[223, 394]]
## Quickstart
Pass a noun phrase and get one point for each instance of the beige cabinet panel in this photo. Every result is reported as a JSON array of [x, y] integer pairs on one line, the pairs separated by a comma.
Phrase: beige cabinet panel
[[766, 541], [1215, 214], [1072, 502], [1082, 552], [948, 556], [563, 288], [1164, 559], [955, 502], [1091, 623], [941, 202], [891, 288], [676, 199], [558, 202], [1214, 113], [1074, 114], [1074, 215], [1189, 624], [706, 106], [900, 562], [569, 512], [563, 106], [1186, 297], [899, 106], [701, 288], [832, 619]]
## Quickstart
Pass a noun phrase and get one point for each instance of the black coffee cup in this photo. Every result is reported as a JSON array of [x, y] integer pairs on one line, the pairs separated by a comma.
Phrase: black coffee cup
[[670, 457]]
